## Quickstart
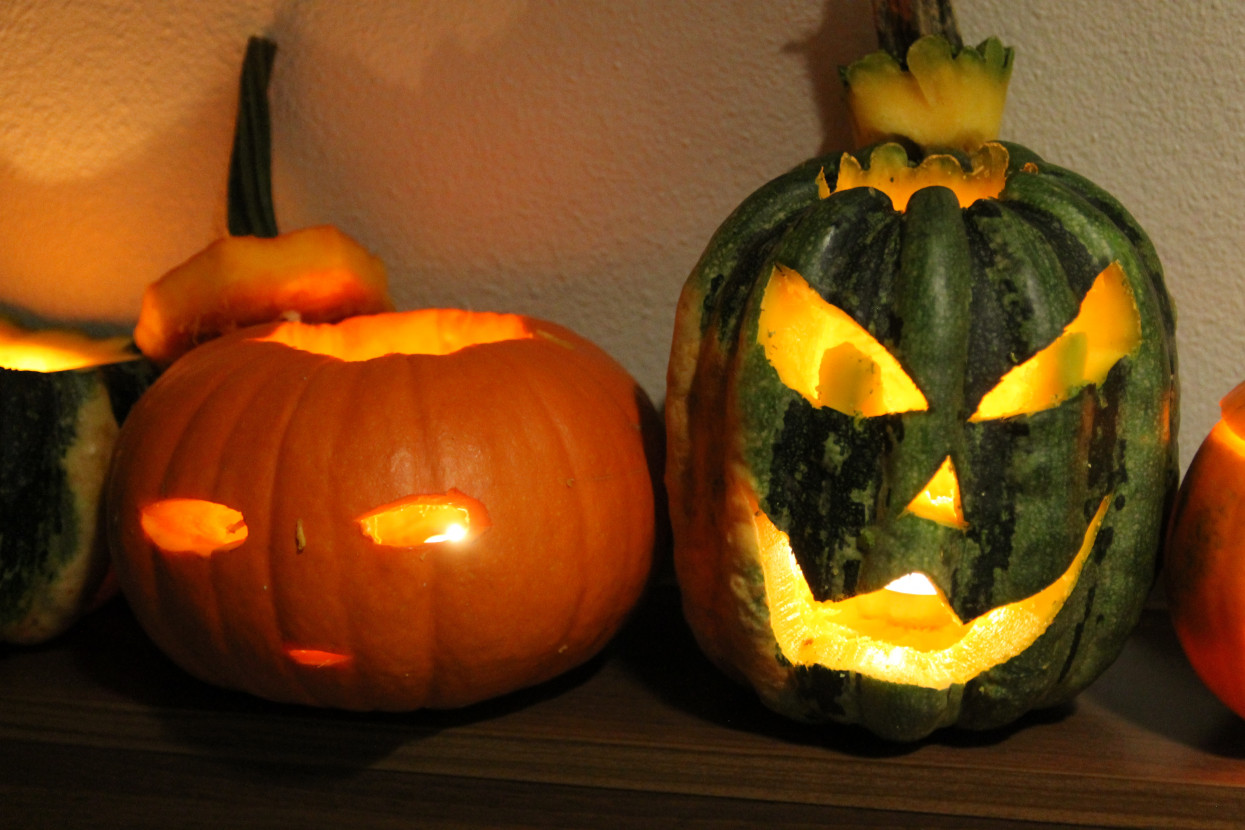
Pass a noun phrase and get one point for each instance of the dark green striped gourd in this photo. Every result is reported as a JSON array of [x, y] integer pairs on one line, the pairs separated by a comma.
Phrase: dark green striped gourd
[[958, 296], [57, 431]]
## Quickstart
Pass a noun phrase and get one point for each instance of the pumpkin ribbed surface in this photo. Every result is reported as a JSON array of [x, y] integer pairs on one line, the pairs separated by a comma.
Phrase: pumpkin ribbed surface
[[1204, 568], [959, 297], [321, 601]]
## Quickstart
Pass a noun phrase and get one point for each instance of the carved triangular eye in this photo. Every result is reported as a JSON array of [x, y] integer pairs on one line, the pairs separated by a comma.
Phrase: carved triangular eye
[[1107, 328], [819, 351]]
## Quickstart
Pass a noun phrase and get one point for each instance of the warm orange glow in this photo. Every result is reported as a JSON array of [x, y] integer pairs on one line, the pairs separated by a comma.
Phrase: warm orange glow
[[826, 356], [315, 658], [1105, 330], [914, 639], [193, 526], [890, 172], [428, 331], [56, 350], [1232, 408], [1224, 435], [425, 519], [940, 500]]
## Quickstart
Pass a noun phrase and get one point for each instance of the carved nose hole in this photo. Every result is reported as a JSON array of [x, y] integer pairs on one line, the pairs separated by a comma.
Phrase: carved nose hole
[[940, 500]]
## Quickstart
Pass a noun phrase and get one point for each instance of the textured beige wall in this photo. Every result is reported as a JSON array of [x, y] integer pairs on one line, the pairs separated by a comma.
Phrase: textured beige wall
[[569, 158]]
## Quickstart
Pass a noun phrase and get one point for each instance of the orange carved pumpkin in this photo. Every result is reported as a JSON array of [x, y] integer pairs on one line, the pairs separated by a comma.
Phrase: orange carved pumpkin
[[420, 509], [1205, 557]]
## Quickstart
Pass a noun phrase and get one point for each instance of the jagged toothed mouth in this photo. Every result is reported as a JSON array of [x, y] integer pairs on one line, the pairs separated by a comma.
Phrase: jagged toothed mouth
[[913, 639]]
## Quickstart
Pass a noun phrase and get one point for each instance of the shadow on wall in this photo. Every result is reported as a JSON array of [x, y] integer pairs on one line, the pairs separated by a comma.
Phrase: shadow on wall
[[528, 144], [112, 149], [563, 159], [79, 248], [846, 34]]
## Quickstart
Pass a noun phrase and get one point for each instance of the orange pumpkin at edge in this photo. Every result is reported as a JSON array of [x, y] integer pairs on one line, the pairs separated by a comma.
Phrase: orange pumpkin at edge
[[1204, 568], [304, 591]]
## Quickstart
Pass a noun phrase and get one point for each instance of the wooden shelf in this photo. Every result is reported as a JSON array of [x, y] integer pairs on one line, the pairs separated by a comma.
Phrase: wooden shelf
[[98, 730]]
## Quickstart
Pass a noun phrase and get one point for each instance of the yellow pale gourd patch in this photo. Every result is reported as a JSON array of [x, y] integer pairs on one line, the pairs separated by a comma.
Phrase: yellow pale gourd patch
[[944, 98]]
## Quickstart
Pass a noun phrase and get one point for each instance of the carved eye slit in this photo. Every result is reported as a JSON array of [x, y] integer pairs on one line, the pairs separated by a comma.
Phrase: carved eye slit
[[192, 526], [425, 519], [315, 658], [1106, 329], [826, 356]]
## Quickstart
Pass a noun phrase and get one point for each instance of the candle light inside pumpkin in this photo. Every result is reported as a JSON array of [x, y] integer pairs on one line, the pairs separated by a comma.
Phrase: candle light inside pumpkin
[[905, 633], [56, 350], [426, 332], [425, 519], [913, 584], [193, 526]]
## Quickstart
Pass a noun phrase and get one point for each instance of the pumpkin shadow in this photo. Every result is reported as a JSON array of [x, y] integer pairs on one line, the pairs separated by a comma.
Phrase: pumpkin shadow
[[659, 651], [260, 739], [1152, 685]]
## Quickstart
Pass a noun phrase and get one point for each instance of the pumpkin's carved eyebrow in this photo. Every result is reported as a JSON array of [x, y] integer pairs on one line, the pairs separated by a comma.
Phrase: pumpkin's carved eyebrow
[[819, 351], [1106, 329]]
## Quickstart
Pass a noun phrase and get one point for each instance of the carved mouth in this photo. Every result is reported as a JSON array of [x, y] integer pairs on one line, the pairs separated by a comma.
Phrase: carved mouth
[[902, 638]]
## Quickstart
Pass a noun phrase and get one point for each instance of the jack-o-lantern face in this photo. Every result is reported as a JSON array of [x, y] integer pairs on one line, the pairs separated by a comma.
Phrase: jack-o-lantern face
[[392, 512], [943, 403], [206, 528], [906, 631]]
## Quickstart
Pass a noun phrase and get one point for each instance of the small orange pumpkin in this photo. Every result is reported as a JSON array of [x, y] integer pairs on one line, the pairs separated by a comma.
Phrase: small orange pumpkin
[[1205, 557], [419, 509]]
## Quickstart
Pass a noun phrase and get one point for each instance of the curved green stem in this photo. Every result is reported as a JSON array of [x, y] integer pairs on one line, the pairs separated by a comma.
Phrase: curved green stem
[[250, 210]]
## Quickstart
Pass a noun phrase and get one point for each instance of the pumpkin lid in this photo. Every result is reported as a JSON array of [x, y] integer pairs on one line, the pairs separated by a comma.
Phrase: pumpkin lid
[[316, 274], [940, 96]]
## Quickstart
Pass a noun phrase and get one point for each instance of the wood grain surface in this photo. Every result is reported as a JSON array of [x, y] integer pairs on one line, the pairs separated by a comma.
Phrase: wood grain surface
[[98, 729]]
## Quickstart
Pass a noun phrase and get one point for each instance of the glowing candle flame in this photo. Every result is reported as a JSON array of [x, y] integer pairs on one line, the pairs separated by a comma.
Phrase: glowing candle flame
[[453, 533], [425, 519], [914, 584]]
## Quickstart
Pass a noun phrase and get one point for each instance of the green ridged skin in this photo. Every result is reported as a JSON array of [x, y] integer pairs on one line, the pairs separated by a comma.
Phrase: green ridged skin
[[56, 436], [959, 296]]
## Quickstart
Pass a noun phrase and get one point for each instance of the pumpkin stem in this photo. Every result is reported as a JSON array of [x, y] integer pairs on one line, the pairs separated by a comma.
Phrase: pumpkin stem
[[899, 23], [250, 210]]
